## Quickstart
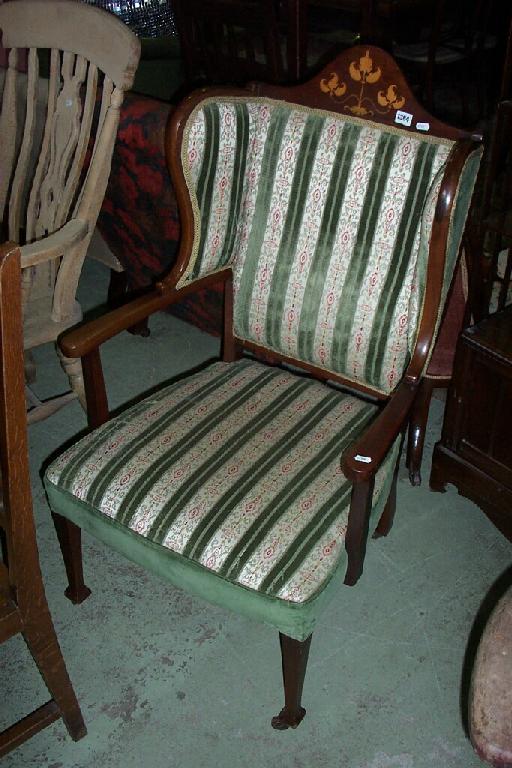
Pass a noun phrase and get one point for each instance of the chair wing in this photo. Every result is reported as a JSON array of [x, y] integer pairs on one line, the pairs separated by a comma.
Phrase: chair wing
[[327, 221]]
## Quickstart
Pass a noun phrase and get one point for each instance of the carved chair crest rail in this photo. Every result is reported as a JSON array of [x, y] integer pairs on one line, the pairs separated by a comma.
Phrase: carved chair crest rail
[[335, 231]]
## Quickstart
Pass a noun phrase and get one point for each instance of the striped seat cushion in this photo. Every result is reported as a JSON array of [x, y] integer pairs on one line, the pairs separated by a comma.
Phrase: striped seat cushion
[[235, 469], [326, 220]]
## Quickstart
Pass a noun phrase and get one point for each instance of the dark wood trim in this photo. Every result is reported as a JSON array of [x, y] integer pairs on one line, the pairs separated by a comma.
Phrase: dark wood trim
[[417, 428], [95, 390], [24, 608], [474, 484], [357, 531], [377, 440], [436, 262], [70, 542], [24, 729], [310, 94], [83, 339], [388, 515], [272, 357]]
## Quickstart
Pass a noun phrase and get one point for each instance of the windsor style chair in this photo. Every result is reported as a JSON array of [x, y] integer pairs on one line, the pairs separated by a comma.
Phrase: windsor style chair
[[58, 124]]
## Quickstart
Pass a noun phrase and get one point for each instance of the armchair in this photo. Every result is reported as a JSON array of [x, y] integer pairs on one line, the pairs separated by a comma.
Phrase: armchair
[[49, 197], [256, 481]]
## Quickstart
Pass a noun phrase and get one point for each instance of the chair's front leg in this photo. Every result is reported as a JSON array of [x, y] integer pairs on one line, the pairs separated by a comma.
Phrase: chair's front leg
[[70, 540], [358, 526], [294, 655]]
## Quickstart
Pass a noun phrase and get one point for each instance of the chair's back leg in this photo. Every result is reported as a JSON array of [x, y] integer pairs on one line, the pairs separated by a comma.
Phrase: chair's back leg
[[418, 429], [294, 654]]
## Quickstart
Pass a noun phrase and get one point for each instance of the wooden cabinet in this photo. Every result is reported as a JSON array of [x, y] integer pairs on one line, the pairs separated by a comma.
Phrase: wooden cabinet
[[475, 450]]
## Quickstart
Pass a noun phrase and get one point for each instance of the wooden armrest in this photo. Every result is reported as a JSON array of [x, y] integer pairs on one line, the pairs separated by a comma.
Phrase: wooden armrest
[[55, 245], [89, 336], [362, 459]]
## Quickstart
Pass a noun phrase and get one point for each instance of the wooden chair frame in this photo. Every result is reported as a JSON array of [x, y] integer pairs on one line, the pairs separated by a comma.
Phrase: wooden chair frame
[[393, 418], [23, 606]]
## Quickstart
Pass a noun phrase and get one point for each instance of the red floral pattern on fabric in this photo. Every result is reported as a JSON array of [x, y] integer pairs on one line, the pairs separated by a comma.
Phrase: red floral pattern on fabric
[[139, 218]]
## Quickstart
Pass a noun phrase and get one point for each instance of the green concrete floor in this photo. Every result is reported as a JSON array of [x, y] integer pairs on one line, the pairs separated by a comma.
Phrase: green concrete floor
[[165, 680]]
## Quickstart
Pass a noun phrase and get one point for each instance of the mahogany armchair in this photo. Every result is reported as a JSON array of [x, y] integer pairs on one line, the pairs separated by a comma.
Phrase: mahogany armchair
[[23, 606], [335, 229], [58, 135]]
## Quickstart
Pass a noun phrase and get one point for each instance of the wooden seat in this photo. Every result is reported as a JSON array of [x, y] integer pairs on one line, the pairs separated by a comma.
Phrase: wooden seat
[[58, 124], [23, 606], [256, 481]]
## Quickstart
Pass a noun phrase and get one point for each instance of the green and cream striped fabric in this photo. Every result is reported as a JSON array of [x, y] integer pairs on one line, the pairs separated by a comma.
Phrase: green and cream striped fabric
[[236, 469], [323, 218]]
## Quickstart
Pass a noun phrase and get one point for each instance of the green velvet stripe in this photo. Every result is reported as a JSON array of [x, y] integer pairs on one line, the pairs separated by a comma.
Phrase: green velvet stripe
[[223, 170], [349, 295], [323, 218], [323, 250], [293, 222], [258, 224], [403, 252], [344, 259], [207, 175], [236, 468]]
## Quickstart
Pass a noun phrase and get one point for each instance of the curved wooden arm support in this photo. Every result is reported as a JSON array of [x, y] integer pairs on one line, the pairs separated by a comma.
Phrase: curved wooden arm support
[[53, 246], [82, 340], [375, 443], [438, 244]]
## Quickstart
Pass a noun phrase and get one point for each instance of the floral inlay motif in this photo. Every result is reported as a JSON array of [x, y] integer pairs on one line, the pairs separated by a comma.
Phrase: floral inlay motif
[[333, 86], [366, 73]]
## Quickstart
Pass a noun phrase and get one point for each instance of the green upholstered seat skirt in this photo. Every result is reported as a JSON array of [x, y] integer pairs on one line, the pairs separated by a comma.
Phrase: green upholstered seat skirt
[[227, 484]]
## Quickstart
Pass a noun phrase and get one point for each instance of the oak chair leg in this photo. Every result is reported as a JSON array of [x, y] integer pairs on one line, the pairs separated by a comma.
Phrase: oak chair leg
[[70, 541], [294, 657], [43, 645], [418, 429]]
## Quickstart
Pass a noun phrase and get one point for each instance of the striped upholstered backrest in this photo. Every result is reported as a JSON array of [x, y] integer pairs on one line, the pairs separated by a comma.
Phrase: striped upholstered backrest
[[326, 220]]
